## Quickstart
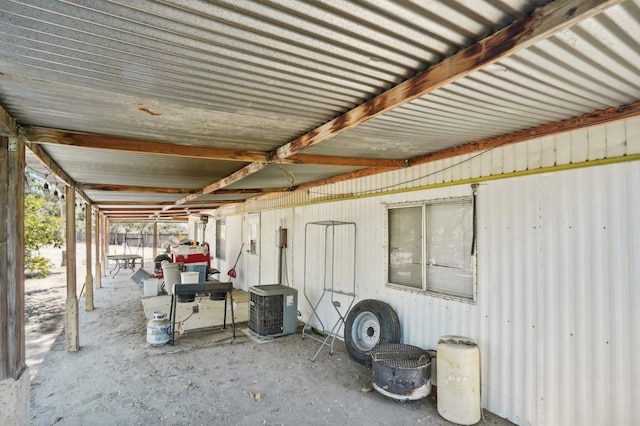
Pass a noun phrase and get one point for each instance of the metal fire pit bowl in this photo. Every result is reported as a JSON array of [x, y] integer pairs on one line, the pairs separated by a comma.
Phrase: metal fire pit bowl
[[401, 371]]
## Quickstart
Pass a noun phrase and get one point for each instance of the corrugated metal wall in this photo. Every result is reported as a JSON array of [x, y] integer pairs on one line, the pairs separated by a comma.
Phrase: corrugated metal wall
[[558, 273], [558, 287], [270, 253], [558, 282]]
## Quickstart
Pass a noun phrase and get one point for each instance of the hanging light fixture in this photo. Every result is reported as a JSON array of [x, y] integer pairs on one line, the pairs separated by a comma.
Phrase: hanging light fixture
[[46, 188], [55, 195]]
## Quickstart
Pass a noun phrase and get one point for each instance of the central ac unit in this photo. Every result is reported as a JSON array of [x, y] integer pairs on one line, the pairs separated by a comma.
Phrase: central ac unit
[[273, 310]]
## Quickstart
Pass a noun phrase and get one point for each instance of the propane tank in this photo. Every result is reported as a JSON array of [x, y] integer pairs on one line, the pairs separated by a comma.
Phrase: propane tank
[[158, 329]]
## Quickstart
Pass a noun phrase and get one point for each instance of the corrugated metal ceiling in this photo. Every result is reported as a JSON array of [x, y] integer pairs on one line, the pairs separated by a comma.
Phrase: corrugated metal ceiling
[[589, 67], [131, 168], [256, 75]]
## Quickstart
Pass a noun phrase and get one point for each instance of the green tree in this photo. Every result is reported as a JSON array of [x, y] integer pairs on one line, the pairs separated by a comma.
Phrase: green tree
[[41, 229]]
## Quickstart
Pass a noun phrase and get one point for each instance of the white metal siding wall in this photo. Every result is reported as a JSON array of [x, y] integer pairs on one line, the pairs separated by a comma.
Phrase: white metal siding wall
[[314, 213], [234, 240], [558, 288], [558, 284], [371, 256], [558, 273], [270, 222]]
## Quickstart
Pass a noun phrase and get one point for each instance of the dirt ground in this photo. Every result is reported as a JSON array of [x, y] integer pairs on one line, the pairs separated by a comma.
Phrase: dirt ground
[[206, 378]]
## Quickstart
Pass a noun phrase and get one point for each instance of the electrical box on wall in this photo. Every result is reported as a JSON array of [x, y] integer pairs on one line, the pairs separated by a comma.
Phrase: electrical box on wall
[[281, 238]]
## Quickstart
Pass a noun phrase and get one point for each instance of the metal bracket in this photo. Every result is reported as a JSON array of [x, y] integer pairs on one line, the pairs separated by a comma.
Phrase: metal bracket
[[13, 145]]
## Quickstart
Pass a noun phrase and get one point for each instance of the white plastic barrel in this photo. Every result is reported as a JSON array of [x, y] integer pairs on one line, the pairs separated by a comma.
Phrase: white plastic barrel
[[171, 273], [458, 378]]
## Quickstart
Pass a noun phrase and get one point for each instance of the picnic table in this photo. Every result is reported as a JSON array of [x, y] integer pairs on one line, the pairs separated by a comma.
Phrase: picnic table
[[123, 261]]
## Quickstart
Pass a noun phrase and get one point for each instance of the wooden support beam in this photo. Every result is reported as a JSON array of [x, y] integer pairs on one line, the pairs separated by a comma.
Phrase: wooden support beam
[[216, 186], [156, 210], [12, 317], [134, 188], [105, 205], [38, 135], [539, 25], [346, 176], [148, 208], [14, 375], [233, 178], [88, 283], [8, 126], [102, 204], [586, 120], [116, 212], [146, 214], [245, 191], [167, 219], [71, 307], [343, 161], [98, 246], [105, 244], [154, 213]]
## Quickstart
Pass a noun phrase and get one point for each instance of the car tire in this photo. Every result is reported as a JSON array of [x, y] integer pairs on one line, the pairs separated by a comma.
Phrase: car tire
[[369, 323]]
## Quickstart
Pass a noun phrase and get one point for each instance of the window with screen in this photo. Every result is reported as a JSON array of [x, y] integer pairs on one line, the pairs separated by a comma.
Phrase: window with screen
[[432, 247]]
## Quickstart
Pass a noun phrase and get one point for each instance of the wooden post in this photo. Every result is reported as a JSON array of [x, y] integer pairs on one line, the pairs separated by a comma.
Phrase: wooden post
[[105, 246], [155, 240], [88, 301], [72, 328], [62, 231], [14, 376], [98, 248]]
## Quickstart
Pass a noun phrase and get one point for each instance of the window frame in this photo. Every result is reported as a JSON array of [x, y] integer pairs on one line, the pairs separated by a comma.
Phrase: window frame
[[424, 288]]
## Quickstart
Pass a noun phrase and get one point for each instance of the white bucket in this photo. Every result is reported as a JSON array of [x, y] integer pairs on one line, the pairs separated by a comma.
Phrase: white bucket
[[190, 277], [171, 273], [151, 287]]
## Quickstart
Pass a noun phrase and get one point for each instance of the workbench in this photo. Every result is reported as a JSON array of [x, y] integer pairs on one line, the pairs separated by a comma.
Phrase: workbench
[[208, 287]]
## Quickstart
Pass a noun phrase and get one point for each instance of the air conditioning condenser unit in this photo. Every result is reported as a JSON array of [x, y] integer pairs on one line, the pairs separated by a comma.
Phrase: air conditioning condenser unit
[[273, 310]]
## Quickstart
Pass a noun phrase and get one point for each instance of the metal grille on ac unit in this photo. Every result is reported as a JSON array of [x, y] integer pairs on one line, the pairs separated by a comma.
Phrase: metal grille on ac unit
[[273, 310]]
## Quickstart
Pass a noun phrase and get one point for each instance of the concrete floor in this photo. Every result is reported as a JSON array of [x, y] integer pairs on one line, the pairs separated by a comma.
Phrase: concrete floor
[[208, 377], [210, 312]]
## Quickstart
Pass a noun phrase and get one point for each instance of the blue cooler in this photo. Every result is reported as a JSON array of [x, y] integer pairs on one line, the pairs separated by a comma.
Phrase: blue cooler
[[201, 269]]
